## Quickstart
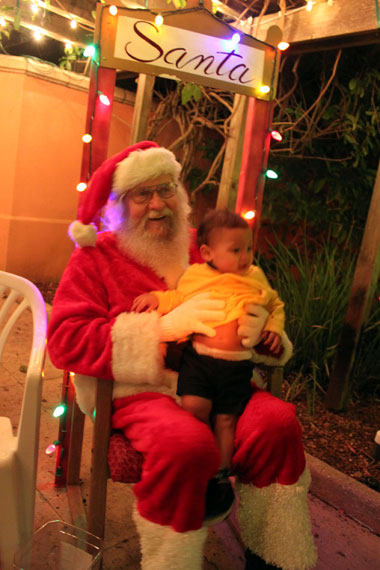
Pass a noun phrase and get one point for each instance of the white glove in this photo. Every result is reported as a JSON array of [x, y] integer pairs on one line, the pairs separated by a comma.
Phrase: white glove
[[190, 317], [251, 325]]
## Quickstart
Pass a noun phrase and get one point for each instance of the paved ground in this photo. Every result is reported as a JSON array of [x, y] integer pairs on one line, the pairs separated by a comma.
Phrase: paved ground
[[343, 542]]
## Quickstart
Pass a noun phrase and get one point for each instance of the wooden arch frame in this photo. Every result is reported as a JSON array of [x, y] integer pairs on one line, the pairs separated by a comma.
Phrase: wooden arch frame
[[247, 148]]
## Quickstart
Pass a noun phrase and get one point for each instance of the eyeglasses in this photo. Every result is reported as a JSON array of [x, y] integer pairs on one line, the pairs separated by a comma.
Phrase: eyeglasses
[[144, 195]]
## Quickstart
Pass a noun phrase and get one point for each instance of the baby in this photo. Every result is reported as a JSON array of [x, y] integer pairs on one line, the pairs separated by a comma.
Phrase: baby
[[214, 380]]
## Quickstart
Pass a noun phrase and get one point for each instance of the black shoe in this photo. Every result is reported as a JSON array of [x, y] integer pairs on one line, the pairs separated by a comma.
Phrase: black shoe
[[254, 562], [220, 498]]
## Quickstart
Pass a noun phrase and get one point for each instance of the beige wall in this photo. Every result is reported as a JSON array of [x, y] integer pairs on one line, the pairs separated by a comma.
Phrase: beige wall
[[43, 112]]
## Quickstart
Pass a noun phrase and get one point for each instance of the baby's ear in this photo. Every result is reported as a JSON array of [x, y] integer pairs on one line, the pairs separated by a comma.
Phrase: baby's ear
[[205, 252]]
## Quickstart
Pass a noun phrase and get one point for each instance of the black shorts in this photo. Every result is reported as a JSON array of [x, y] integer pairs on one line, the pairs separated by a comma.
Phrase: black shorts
[[226, 382]]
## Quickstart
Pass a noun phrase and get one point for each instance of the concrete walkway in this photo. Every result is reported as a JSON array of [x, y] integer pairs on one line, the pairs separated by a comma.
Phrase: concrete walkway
[[345, 514]]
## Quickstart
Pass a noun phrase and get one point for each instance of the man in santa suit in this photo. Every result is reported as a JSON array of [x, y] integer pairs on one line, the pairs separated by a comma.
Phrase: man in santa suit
[[93, 333]]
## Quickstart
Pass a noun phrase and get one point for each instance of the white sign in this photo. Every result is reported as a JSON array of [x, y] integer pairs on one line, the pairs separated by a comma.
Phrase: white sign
[[178, 50]]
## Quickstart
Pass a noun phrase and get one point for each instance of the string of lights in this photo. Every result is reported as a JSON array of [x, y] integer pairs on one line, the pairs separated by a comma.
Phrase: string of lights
[[74, 21]]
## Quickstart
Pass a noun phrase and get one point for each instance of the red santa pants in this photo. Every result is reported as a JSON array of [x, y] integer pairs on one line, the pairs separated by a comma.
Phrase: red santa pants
[[181, 455]]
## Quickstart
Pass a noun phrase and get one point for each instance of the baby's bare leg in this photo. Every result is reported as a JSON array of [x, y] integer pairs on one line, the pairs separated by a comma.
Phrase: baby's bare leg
[[198, 406], [224, 428]]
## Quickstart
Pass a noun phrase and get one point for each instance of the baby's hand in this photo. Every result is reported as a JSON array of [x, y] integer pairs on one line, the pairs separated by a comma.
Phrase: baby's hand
[[272, 340], [146, 302]]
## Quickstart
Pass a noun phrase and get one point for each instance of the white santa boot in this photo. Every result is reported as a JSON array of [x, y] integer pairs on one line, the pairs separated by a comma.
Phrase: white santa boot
[[164, 549], [275, 523]]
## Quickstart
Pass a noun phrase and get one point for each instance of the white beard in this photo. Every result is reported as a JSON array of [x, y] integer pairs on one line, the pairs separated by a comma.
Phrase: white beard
[[168, 255]]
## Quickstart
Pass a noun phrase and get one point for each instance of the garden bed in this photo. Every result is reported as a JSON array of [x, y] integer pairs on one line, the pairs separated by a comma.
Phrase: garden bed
[[344, 440]]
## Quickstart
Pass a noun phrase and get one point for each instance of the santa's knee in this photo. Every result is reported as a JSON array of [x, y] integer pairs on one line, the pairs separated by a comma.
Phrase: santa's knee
[[284, 420], [196, 453]]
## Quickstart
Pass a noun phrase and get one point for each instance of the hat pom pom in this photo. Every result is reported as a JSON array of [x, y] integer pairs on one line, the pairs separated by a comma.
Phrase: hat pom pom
[[83, 234]]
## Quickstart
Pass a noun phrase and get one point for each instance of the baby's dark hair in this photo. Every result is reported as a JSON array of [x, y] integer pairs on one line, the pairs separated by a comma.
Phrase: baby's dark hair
[[218, 219]]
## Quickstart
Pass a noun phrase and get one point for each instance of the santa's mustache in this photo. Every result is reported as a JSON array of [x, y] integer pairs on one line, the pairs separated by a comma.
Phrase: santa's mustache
[[140, 225], [157, 214]]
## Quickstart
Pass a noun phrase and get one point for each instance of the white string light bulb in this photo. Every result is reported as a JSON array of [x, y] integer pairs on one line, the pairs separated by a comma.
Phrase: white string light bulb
[[37, 34], [159, 20], [249, 215]]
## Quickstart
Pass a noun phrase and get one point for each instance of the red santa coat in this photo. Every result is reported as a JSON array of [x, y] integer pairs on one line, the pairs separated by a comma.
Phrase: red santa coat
[[91, 331]]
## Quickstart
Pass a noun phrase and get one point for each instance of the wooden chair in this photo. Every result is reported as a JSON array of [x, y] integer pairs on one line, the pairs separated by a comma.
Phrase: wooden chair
[[19, 453], [94, 519]]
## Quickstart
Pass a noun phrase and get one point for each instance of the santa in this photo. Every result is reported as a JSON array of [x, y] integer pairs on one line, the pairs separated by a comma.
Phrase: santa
[[92, 332]]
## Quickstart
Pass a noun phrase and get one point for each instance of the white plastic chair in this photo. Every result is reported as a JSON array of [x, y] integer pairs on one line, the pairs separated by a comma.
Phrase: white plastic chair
[[19, 453]]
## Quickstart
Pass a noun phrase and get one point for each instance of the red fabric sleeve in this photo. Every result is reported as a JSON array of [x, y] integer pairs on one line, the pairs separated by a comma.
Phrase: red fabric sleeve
[[79, 337]]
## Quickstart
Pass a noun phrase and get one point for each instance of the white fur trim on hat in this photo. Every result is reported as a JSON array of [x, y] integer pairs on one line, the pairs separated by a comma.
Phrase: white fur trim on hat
[[82, 234], [142, 165]]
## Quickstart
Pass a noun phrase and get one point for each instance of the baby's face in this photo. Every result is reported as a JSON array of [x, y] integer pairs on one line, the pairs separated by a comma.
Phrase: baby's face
[[230, 250]]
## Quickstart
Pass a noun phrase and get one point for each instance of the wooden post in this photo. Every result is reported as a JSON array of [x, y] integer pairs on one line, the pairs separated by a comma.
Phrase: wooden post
[[98, 119], [232, 157], [141, 109], [254, 160], [99, 464], [365, 277]]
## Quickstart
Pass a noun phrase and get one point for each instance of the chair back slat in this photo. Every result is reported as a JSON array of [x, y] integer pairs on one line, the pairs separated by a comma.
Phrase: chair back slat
[[23, 295], [13, 296]]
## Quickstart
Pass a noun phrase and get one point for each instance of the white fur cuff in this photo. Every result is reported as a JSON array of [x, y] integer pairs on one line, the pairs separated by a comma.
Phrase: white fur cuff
[[135, 352], [162, 548], [275, 523], [85, 392]]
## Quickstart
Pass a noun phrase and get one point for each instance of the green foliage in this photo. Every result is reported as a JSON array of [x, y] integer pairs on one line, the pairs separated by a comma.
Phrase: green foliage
[[72, 53], [366, 373], [315, 281], [190, 91], [329, 155]]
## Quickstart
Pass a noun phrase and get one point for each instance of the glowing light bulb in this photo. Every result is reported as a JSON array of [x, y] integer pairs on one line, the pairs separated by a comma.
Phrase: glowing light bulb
[[264, 89], [87, 138], [50, 449], [2, 22], [159, 20], [68, 45], [89, 51], [112, 10], [282, 46], [73, 24], [104, 99], [59, 411], [309, 5], [271, 174], [38, 35], [235, 38], [34, 8], [249, 215], [81, 187], [276, 135]]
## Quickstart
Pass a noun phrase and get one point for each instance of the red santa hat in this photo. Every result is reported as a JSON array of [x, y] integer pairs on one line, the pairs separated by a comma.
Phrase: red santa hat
[[123, 171]]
